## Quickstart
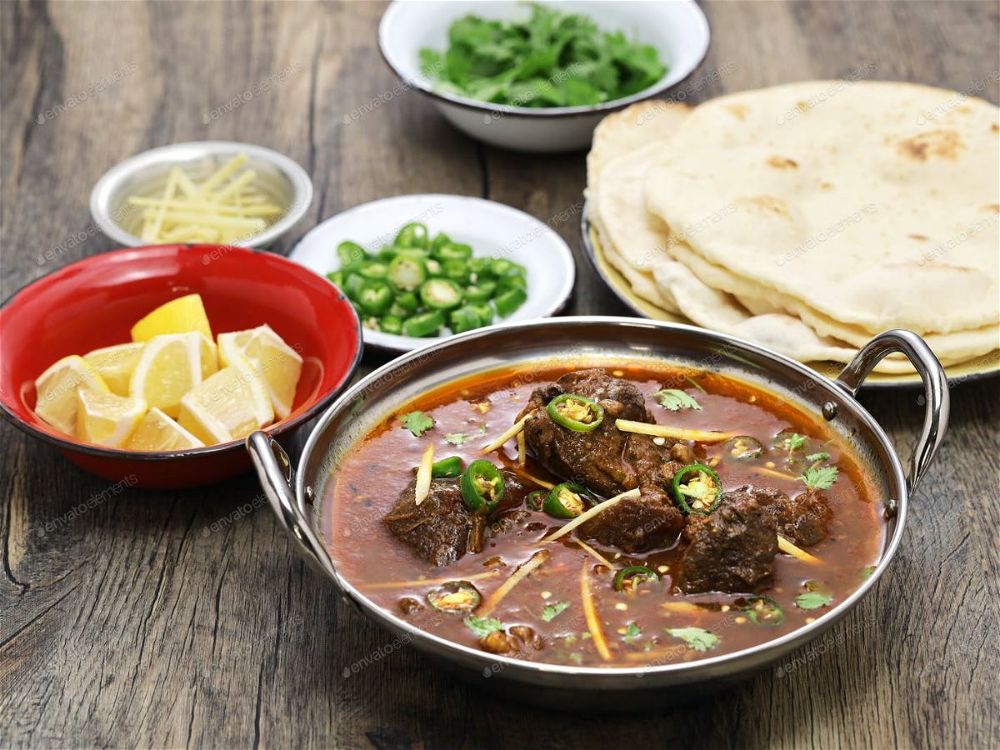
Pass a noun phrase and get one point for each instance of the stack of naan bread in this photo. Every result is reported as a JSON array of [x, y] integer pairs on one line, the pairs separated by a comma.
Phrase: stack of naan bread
[[811, 216]]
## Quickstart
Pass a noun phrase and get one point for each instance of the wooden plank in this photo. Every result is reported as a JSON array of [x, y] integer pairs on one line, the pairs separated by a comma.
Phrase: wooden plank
[[186, 618]]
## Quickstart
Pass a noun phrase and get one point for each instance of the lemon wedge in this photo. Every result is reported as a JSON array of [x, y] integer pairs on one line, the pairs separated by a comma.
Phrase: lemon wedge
[[158, 432], [104, 418], [229, 405], [169, 366], [56, 391], [181, 315], [115, 365], [277, 363], [209, 357]]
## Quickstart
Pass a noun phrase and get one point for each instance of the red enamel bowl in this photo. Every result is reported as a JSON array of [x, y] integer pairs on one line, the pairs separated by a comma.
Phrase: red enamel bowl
[[94, 303]]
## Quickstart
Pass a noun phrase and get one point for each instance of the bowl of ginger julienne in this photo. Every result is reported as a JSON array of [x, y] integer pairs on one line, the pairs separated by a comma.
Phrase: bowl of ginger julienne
[[202, 192]]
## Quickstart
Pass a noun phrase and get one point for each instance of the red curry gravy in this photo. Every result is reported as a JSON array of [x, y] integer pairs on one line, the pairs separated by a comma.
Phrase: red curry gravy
[[636, 626]]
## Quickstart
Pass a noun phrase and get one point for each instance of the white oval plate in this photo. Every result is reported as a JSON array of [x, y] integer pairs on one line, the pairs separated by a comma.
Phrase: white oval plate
[[492, 229]]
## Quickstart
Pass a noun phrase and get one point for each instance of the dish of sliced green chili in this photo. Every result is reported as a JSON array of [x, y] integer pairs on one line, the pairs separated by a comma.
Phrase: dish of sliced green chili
[[420, 285]]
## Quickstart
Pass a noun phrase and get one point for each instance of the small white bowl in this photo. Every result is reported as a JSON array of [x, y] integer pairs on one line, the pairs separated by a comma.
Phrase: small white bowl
[[286, 182], [492, 229], [677, 29]]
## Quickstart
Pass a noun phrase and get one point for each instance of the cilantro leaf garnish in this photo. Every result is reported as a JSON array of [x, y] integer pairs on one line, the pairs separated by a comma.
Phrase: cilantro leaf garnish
[[417, 422], [816, 595], [551, 611], [697, 638], [819, 477], [550, 59], [483, 626], [821, 456], [632, 631], [866, 573], [793, 441], [812, 600], [455, 438], [675, 399]]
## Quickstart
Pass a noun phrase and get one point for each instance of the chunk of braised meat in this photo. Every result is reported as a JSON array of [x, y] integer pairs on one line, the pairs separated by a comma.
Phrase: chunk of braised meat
[[608, 461], [595, 459], [441, 529], [636, 524], [804, 520], [731, 550]]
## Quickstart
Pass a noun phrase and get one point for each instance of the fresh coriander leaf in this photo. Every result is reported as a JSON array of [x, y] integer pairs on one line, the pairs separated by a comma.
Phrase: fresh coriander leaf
[[632, 632], [675, 399], [866, 573], [455, 438], [550, 59], [551, 611], [697, 638], [794, 441], [819, 477], [417, 422], [483, 626], [821, 456], [816, 595], [812, 600], [576, 658]]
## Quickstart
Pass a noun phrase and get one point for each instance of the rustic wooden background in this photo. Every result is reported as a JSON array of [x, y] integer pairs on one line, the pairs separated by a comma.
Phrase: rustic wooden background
[[185, 618]]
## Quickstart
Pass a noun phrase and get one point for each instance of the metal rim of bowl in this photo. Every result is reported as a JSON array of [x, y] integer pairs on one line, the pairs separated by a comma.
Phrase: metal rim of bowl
[[105, 188], [325, 401], [755, 655], [508, 110]]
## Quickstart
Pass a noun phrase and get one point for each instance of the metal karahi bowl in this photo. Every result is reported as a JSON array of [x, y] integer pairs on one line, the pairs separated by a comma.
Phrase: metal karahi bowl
[[280, 177], [298, 496]]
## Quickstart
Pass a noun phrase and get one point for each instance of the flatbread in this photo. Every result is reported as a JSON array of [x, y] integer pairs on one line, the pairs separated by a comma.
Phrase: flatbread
[[878, 202], [806, 337]]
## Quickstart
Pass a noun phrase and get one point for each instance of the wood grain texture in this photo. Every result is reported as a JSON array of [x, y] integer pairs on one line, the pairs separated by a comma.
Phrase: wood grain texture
[[186, 619]]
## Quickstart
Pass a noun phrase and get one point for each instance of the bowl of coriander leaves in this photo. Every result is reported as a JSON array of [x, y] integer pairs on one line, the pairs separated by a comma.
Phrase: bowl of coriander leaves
[[540, 76]]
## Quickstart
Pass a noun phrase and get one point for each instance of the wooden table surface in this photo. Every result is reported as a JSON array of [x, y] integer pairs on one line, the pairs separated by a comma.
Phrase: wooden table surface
[[186, 618]]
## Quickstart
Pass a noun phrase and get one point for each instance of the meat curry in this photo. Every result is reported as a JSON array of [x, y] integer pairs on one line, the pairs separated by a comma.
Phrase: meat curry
[[609, 516]]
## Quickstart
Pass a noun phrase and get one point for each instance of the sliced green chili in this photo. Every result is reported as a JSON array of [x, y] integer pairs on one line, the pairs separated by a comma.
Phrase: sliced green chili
[[391, 324], [413, 234], [630, 578], [704, 489], [408, 301], [508, 302], [456, 270], [480, 291], [482, 486], [566, 500], [375, 296], [425, 324], [578, 413], [407, 272], [536, 500], [454, 597], [350, 253], [440, 294], [448, 467], [763, 610], [464, 319], [439, 241], [453, 251]]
